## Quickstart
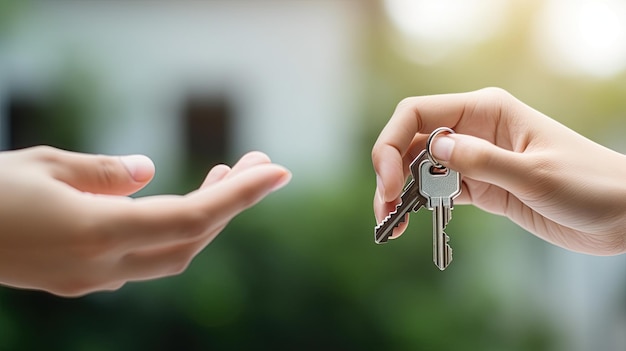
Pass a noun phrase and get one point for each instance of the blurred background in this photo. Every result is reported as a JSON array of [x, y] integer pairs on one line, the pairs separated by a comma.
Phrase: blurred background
[[312, 83]]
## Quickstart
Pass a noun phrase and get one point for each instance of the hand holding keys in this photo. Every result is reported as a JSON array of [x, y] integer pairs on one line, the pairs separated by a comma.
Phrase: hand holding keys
[[432, 186]]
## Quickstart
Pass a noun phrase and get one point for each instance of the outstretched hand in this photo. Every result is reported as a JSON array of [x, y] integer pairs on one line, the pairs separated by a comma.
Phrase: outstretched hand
[[67, 226], [515, 162]]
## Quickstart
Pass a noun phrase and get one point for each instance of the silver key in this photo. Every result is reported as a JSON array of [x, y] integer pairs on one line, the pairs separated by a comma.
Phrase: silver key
[[411, 200], [439, 186]]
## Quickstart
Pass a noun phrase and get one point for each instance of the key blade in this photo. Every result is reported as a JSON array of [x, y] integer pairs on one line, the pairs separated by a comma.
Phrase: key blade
[[442, 252], [410, 200], [444, 257], [384, 229]]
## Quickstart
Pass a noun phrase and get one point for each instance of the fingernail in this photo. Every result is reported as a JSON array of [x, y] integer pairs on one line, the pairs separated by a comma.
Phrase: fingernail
[[139, 167], [284, 180], [380, 189], [442, 148]]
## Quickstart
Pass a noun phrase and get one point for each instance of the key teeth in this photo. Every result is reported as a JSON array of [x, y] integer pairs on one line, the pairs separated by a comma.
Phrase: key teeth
[[386, 219], [385, 238], [449, 252], [448, 255]]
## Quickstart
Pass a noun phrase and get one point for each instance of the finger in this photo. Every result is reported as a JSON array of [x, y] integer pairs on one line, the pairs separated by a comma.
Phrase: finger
[[98, 174], [412, 116], [416, 147], [216, 174], [249, 160], [163, 220], [480, 160], [382, 210], [422, 115], [243, 189]]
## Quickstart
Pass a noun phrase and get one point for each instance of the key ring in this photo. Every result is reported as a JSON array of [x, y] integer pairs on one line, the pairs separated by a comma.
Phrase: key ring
[[432, 136]]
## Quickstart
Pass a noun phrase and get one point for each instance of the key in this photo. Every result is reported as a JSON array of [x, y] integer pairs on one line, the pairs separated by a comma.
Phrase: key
[[410, 200], [439, 186]]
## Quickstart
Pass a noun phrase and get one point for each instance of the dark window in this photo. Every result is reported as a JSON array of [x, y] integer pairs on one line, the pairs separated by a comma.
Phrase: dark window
[[35, 120], [207, 126]]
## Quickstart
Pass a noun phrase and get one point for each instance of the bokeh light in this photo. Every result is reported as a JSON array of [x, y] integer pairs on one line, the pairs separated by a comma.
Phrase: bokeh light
[[439, 28], [583, 37]]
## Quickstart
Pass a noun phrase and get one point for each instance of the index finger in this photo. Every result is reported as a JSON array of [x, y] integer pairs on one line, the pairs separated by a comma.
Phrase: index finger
[[413, 116]]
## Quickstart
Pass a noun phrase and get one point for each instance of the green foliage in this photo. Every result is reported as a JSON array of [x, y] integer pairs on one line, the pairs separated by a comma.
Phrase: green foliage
[[9, 12]]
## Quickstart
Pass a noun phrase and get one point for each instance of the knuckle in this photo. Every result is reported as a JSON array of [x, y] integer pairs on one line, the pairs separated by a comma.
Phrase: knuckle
[[179, 267], [73, 288], [114, 286], [496, 95], [182, 261], [496, 92], [375, 152], [45, 153], [108, 171], [407, 102]]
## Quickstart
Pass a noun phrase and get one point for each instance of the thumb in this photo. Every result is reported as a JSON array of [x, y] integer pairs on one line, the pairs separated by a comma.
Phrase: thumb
[[99, 174], [480, 160]]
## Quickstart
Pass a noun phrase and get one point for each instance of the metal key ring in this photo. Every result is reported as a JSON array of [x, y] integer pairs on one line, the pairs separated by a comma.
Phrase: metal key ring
[[431, 137]]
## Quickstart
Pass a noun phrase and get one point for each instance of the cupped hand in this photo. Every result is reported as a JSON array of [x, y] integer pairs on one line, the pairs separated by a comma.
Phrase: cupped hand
[[516, 162], [68, 227]]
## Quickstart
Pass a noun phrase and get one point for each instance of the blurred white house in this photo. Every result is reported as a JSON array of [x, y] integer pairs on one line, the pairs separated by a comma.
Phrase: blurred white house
[[286, 72]]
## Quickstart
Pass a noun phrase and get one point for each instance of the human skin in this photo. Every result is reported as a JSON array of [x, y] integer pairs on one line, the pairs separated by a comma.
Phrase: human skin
[[515, 162], [68, 227]]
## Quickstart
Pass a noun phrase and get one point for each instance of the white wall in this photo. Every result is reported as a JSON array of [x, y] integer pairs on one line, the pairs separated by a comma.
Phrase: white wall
[[291, 67]]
